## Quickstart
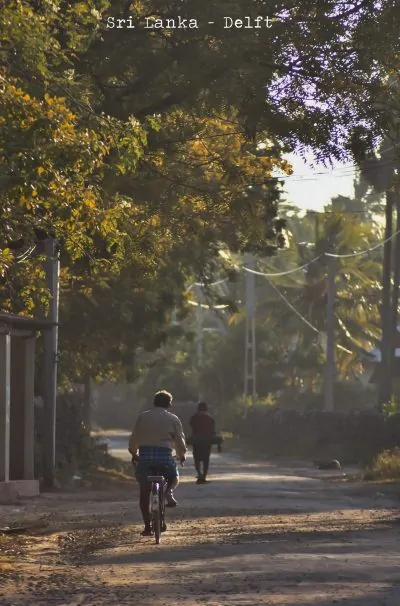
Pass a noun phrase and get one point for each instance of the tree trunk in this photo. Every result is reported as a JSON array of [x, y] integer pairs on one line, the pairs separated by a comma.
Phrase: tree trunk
[[385, 388]]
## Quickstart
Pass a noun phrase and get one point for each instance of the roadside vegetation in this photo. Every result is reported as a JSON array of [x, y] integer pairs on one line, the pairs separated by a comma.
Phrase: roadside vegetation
[[385, 467]]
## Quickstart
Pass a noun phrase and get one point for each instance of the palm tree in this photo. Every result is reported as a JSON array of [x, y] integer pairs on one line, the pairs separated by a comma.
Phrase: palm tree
[[357, 283], [379, 172]]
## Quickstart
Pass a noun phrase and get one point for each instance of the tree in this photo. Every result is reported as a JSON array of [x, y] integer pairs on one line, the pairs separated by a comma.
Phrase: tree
[[356, 278], [72, 172], [54, 157], [138, 150], [379, 172], [301, 79], [291, 315]]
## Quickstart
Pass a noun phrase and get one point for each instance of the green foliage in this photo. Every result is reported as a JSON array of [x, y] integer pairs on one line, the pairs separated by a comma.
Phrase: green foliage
[[290, 355], [138, 152], [137, 201], [268, 76], [357, 279], [386, 466], [392, 407], [75, 448]]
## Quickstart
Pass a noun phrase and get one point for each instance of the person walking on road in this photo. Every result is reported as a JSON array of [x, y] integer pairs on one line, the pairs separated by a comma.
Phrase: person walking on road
[[203, 432]]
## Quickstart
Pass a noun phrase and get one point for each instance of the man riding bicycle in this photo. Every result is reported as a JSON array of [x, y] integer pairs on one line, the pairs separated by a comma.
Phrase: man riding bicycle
[[156, 433]]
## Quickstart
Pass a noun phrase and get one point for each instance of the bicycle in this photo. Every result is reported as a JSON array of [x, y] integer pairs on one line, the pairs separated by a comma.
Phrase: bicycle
[[158, 487]]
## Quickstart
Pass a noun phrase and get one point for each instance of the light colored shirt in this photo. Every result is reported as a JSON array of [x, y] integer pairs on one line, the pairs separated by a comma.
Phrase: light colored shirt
[[158, 427]]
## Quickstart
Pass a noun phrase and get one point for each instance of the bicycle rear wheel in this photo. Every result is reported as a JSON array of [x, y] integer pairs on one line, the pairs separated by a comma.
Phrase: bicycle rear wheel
[[156, 511], [157, 526]]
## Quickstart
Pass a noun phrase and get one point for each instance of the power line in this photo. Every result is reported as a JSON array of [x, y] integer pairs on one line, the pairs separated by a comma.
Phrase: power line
[[301, 267], [336, 256], [346, 171], [301, 317], [203, 285], [282, 273], [350, 168], [280, 294], [204, 306], [363, 252], [26, 254]]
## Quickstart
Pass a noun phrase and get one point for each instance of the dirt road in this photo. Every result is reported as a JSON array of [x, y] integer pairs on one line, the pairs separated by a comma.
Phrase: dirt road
[[256, 535]]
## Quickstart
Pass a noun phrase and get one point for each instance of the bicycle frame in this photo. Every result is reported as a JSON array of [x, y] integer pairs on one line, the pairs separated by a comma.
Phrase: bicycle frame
[[158, 485]]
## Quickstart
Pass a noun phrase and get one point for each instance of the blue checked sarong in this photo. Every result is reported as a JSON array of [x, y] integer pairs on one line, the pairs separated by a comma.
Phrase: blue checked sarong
[[150, 456]]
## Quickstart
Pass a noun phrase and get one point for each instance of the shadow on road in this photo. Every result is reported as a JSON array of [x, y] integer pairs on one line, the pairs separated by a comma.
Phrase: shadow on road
[[257, 534]]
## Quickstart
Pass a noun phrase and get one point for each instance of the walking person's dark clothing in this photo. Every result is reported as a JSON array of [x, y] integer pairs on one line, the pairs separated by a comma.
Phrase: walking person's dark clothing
[[203, 431], [201, 455]]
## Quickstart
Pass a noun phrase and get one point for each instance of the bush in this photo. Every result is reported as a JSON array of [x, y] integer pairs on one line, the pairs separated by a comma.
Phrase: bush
[[76, 450], [386, 466]]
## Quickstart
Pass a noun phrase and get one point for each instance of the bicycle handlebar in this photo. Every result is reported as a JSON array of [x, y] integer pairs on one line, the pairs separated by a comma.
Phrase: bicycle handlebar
[[136, 458]]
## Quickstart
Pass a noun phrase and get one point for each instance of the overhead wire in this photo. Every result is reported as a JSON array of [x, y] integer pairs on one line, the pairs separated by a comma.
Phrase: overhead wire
[[364, 252], [301, 267], [325, 254], [26, 254], [282, 273], [204, 285], [284, 298], [287, 302], [211, 307], [217, 283], [340, 171], [301, 317]]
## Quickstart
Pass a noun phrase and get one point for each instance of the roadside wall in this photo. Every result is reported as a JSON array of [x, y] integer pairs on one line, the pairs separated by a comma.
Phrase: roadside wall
[[353, 438]]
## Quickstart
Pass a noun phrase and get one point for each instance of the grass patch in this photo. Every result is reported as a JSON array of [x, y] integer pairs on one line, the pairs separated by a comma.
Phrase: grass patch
[[111, 472], [6, 560], [12, 550], [386, 466]]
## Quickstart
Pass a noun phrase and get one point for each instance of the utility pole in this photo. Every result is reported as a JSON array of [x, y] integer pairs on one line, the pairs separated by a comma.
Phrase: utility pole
[[52, 271], [386, 311], [330, 369], [199, 317], [395, 293], [250, 381]]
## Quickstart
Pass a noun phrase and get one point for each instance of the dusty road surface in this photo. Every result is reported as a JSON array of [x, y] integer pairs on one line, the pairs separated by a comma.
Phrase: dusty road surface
[[256, 535]]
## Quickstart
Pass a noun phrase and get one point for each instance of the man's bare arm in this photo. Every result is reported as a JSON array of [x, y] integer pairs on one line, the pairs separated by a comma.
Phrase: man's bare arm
[[180, 440], [134, 438]]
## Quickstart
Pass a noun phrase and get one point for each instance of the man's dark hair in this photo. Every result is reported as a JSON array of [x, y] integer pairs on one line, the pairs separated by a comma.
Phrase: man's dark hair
[[163, 399], [202, 407]]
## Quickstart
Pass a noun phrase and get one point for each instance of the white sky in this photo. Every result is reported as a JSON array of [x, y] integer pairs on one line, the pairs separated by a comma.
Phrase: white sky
[[306, 189]]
